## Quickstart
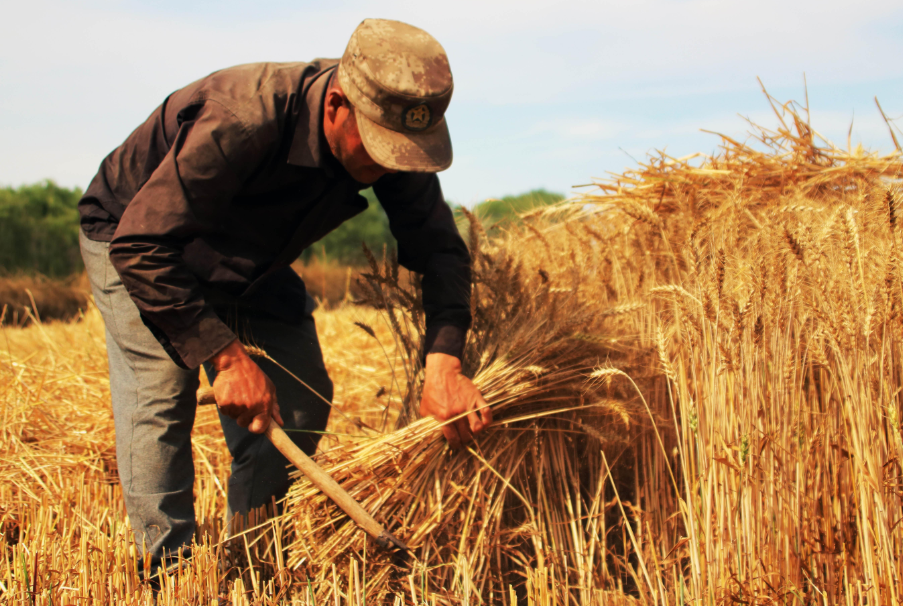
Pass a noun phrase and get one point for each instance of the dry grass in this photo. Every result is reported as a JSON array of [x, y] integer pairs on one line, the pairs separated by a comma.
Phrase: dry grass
[[329, 283], [697, 375]]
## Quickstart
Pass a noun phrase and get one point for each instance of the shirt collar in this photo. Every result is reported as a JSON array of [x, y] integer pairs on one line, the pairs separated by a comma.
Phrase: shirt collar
[[309, 147]]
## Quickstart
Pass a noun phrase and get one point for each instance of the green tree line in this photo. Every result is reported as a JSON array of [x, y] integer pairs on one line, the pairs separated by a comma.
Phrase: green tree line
[[39, 228]]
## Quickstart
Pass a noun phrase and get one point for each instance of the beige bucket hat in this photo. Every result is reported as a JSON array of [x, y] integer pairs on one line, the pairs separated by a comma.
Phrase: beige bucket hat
[[398, 79]]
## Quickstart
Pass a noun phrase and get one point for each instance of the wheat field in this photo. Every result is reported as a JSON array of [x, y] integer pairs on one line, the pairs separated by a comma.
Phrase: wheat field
[[697, 378]]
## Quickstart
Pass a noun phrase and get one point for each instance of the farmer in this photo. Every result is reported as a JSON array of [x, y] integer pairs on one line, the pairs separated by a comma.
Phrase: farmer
[[188, 232]]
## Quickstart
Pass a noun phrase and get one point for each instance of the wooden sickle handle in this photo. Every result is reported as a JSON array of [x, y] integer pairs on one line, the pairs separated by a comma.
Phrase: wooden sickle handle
[[320, 479]]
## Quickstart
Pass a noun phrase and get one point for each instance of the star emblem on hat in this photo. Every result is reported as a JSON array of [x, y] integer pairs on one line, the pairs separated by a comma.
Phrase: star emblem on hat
[[417, 117]]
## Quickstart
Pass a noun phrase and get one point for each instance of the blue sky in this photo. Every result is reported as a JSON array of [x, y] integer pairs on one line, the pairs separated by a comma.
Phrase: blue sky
[[547, 94]]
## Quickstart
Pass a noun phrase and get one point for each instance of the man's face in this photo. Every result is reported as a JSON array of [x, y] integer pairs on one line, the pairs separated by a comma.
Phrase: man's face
[[340, 127]]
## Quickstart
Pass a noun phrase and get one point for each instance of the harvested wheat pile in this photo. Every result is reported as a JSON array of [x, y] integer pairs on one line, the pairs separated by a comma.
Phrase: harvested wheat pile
[[776, 289]]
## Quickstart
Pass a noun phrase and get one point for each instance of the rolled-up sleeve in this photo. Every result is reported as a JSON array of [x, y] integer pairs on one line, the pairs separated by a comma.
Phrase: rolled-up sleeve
[[210, 158], [429, 244]]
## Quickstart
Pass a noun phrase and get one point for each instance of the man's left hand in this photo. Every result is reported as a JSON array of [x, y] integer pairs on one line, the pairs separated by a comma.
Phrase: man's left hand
[[447, 394]]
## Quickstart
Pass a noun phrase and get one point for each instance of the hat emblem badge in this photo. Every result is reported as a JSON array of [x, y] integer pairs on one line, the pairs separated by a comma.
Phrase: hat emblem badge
[[418, 117]]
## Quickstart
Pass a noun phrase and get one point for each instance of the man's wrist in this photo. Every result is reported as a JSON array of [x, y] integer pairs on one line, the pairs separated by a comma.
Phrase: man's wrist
[[442, 363], [228, 356]]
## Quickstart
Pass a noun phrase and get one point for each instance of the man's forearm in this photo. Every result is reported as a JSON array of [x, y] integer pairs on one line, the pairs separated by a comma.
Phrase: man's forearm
[[446, 339], [169, 298], [429, 244]]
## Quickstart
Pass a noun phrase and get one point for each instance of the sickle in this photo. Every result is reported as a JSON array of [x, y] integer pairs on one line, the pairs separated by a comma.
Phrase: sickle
[[321, 480]]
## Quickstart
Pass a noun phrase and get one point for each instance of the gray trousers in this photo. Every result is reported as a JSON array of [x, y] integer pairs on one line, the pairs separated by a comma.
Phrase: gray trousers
[[154, 404]]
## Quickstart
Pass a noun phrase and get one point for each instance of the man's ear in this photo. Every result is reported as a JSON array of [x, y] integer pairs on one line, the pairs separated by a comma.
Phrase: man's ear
[[334, 100]]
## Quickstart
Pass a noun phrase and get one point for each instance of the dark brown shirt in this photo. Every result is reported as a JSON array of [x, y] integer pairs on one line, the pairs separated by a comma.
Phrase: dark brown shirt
[[209, 201]]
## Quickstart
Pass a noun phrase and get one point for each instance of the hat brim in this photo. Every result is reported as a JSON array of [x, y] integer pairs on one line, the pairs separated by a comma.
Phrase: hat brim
[[423, 152]]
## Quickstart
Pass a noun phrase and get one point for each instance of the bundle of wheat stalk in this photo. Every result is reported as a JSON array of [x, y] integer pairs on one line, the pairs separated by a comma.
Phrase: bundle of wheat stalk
[[529, 492]]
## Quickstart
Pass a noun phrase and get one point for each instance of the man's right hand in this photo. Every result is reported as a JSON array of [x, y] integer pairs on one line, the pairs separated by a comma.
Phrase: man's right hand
[[243, 391]]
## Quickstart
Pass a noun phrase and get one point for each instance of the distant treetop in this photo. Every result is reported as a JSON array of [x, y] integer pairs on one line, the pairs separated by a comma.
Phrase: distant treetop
[[496, 213], [494, 210]]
